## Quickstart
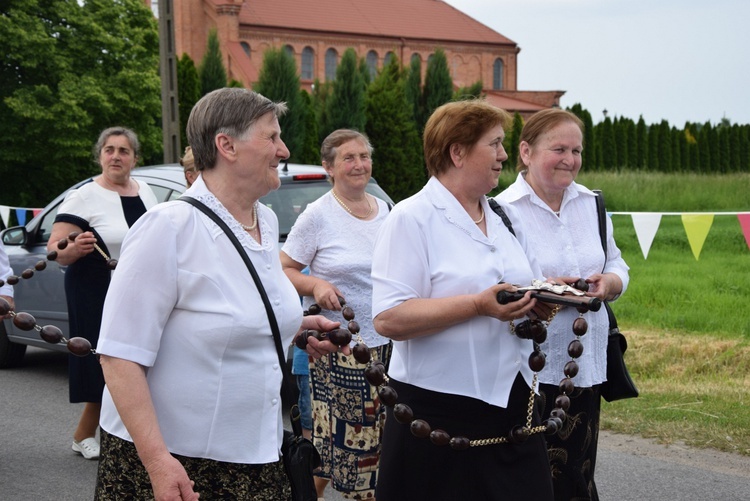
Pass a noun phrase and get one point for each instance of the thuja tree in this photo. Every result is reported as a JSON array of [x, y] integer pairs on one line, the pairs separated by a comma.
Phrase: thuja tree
[[438, 84], [346, 105], [587, 156], [310, 152], [512, 138], [413, 90], [70, 70], [279, 82], [188, 91], [397, 159], [212, 72]]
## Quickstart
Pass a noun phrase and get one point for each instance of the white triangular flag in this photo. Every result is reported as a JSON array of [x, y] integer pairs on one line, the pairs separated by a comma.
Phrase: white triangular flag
[[646, 224], [5, 214]]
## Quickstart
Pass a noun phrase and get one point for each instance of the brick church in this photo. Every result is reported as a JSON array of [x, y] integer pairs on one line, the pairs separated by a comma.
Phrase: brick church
[[317, 32]]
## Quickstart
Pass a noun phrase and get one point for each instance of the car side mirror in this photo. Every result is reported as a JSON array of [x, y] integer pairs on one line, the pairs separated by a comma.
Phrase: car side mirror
[[16, 235]]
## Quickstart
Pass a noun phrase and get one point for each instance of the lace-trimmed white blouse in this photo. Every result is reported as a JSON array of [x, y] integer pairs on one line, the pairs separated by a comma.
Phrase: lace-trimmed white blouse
[[183, 305]]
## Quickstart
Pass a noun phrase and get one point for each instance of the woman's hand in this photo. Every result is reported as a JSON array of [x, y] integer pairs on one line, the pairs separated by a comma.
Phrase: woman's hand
[[605, 286], [487, 305], [169, 480], [82, 245], [327, 295], [316, 348], [12, 305]]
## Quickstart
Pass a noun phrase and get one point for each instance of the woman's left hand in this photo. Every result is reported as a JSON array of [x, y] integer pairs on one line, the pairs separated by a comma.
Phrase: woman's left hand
[[605, 286], [316, 348]]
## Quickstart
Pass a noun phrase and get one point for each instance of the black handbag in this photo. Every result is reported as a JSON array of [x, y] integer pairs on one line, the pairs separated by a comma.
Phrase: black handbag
[[299, 454], [619, 384]]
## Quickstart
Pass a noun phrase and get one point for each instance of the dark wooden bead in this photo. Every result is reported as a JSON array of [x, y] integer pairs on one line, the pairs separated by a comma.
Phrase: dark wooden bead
[[40, 265], [537, 361], [348, 313], [375, 375], [62, 243], [420, 428], [340, 337], [567, 386], [73, 234], [52, 255], [581, 285], [361, 353], [12, 280], [353, 327], [563, 402], [518, 434], [24, 321], [111, 263], [523, 330], [342, 301], [558, 413], [4, 307], [575, 348], [388, 395], [440, 437], [571, 369], [27, 273], [580, 326], [460, 443], [403, 413], [51, 334], [550, 426], [540, 335], [79, 346], [301, 340], [314, 309]]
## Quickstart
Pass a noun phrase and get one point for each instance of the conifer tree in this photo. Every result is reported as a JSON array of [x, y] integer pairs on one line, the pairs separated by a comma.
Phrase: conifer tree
[[665, 147], [473, 91], [438, 85], [278, 81], [609, 155], [587, 158], [735, 147], [413, 89], [677, 138], [310, 153], [212, 72], [188, 92], [512, 138], [346, 105], [641, 141], [652, 163], [397, 158]]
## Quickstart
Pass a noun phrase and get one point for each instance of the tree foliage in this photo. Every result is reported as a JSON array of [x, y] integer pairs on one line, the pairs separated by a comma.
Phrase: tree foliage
[[397, 160], [279, 82], [413, 90], [438, 84], [70, 70], [346, 105], [212, 72], [310, 153], [188, 91]]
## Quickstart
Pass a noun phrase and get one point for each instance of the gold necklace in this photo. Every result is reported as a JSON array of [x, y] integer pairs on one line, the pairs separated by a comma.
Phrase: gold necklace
[[347, 209], [255, 220]]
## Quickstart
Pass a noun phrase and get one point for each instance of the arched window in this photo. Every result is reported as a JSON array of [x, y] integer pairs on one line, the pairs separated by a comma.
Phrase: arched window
[[372, 63], [289, 50], [497, 74], [429, 59], [246, 47], [388, 57], [416, 56], [308, 64], [332, 60]]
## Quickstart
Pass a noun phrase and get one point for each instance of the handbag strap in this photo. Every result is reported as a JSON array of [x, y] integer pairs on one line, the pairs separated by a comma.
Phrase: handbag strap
[[294, 412], [602, 216], [497, 209]]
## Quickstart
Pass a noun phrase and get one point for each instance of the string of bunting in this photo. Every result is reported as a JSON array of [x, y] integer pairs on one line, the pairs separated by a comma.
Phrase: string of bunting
[[21, 214]]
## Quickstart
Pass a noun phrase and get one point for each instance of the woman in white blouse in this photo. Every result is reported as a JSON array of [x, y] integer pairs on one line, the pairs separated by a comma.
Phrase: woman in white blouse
[[335, 236], [437, 263], [100, 213], [192, 402], [552, 207]]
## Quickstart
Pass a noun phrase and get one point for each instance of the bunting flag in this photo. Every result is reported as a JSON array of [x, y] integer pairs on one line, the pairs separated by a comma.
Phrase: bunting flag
[[5, 214], [745, 224], [646, 224], [20, 212], [21, 216], [696, 227]]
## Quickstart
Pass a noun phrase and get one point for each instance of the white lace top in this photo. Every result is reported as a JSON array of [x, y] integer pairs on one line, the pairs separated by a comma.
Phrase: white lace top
[[338, 248], [568, 245]]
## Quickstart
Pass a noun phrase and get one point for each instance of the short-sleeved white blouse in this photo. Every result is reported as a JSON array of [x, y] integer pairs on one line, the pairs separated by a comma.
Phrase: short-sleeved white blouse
[[102, 210], [430, 248], [183, 304], [5, 272], [338, 248], [568, 245]]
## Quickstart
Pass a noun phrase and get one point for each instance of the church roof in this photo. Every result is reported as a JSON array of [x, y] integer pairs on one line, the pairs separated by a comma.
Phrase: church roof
[[413, 19]]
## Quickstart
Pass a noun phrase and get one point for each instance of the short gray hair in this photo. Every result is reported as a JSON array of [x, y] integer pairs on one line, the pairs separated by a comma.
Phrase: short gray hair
[[231, 111], [131, 136], [337, 138]]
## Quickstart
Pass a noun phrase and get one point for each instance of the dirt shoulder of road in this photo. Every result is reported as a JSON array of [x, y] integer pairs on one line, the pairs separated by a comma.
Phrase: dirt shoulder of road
[[706, 459]]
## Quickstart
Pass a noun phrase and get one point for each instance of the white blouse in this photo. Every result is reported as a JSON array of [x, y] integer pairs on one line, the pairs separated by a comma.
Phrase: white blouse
[[430, 248], [5, 272], [183, 305], [338, 248], [568, 245], [102, 210]]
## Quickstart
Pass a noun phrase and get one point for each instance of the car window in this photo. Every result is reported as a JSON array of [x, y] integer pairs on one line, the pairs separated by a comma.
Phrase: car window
[[163, 194], [291, 199], [45, 226]]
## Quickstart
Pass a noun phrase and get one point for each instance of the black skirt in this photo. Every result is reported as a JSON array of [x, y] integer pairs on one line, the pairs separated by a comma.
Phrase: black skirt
[[415, 469]]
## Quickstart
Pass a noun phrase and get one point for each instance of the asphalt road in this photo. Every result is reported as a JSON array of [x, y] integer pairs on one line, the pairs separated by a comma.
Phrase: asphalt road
[[37, 463]]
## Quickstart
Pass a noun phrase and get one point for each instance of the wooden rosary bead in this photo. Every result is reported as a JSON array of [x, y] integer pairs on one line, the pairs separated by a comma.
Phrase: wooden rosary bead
[[353, 327], [340, 337], [361, 353], [571, 369], [348, 313], [51, 334], [375, 375], [537, 360], [420, 428], [388, 395], [24, 321], [4, 307], [52, 255], [558, 413], [40, 265], [314, 309], [28, 273], [79, 346], [580, 326], [12, 280], [575, 348], [460, 443], [73, 234], [62, 243], [111, 263], [440, 437], [567, 386], [518, 434], [563, 402], [581, 284], [403, 413]]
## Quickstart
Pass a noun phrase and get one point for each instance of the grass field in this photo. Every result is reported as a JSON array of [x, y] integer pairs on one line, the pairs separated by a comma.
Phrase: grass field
[[687, 321]]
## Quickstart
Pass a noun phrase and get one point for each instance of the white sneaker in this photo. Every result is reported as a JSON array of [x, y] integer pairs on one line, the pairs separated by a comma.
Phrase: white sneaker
[[88, 448]]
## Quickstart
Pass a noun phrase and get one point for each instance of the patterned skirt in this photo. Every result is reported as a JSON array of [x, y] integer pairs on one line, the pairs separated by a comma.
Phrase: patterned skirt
[[347, 422], [122, 476], [572, 451]]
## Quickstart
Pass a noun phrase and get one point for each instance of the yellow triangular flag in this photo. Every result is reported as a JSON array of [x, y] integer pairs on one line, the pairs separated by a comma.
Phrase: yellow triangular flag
[[696, 227]]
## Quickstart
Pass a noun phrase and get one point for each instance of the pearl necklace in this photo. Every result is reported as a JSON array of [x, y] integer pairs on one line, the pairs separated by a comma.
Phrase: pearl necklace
[[347, 209], [481, 218], [255, 220]]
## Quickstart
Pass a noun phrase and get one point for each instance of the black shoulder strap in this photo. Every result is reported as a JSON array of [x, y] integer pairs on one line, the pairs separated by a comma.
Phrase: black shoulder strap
[[294, 411], [602, 216], [500, 212]]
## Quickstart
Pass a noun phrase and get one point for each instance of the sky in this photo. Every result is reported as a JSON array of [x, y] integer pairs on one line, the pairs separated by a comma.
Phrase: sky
[[674, 60]]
